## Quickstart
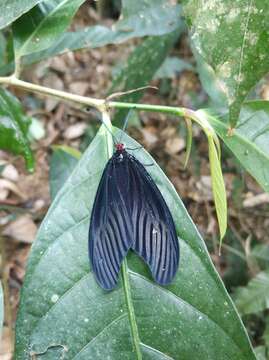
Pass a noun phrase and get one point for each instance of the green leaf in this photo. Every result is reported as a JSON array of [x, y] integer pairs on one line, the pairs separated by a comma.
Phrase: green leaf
[[39, 28], [211, 84], [260, 253], [64, 311], [14, 128], [148, 17], [171, 67], [140, 68], [152, 22], [232, 37], [201, 117], [188, 141], [255, 296], [63, 161], [10, 10], [218, 187], [3, 45], [249, 141]]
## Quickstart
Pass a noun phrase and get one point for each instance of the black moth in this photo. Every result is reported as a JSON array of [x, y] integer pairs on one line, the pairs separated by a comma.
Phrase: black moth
[[129, 212]]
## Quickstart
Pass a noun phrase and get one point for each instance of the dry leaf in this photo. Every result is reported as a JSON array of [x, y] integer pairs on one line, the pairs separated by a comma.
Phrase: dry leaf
[[174, 146], [10, 186], [149, 137], [256, 200], [22, 229], [10, 173], [79, 87], [75, 131], [6, 345], [204, 187]]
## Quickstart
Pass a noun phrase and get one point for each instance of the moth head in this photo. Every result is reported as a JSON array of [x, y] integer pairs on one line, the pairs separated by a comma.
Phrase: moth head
[[120, 147]]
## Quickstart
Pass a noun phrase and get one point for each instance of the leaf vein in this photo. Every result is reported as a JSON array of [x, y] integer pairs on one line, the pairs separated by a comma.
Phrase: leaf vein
[[100, 333], [177, 298]]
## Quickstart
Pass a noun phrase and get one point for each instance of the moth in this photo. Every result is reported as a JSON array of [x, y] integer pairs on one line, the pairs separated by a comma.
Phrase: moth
[[129, 212]]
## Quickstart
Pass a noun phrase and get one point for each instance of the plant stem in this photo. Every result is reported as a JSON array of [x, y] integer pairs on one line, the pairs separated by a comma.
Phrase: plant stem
[[100, 104], [63, 95], [130, 307]]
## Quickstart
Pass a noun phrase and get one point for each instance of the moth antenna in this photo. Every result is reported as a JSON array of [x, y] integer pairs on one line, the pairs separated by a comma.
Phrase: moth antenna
[[121, 93]]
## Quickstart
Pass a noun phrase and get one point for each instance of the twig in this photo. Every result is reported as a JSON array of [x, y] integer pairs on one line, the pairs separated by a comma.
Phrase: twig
[[121, 93], [83, 101]]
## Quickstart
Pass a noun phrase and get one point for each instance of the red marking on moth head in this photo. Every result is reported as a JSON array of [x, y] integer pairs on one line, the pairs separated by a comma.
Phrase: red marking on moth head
[[120, 147]]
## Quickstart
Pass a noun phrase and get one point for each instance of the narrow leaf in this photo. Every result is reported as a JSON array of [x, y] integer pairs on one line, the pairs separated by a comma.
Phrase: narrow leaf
[[218, 187], [189, 140]]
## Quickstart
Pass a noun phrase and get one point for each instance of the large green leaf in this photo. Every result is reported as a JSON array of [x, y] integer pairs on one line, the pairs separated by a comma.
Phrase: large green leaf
[[14, 127], [232, 36], [141, 66], [254, 297], [40, 27], [62, 163], [10, 10], [157, 18], [64, 311], [250, 139]]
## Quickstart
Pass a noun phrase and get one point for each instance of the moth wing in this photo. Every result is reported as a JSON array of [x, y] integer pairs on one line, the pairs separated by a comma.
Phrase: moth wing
[[155, 238], [110, 234]]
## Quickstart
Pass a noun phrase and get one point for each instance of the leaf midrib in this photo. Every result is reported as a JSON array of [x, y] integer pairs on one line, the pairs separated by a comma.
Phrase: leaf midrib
[[130, 308]]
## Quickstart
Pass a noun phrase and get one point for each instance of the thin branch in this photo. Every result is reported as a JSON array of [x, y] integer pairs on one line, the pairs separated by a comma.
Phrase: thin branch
[[63, 95], [83, 101]]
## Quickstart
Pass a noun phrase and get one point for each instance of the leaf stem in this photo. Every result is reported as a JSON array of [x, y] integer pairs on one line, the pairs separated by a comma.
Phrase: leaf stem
[[83, 101], [130, 307], [63, 95]]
